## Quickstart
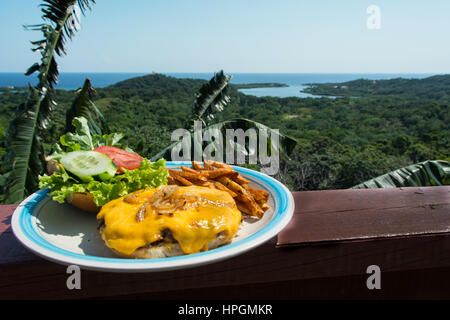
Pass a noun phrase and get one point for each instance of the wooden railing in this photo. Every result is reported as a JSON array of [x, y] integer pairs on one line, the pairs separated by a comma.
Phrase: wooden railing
[[323, 253]]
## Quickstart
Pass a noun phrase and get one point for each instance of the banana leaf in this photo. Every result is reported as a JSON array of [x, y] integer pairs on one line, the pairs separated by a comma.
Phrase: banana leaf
[[427, 173], [212, 97], [84, 107], [286, 143], [3, 179], [25, 151]]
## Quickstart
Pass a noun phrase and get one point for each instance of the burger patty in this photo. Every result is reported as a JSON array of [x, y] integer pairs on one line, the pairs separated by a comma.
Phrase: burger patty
[[166, 247]]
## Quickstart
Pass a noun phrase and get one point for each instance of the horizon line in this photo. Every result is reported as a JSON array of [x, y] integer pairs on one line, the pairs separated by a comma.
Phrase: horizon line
[[200, 72]]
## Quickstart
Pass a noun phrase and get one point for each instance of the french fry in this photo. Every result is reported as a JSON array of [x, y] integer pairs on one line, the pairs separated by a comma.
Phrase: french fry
[[172, 180], [188, 175], [223, 188], [231, 185], [220, 165], [261, 196], [187, 169], [243, 195], [238, 178], [242, 207], [221, 176], [207, 165], [216, 173], [197, 166], [182, 180], [205, 184], [252, 205]]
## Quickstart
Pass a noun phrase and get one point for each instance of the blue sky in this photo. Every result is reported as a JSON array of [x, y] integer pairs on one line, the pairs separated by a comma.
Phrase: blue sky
[[295, 36]]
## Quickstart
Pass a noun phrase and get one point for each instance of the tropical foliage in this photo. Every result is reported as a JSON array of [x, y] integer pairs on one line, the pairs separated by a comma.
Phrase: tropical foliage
[[211, 99], [434, 87], [84, 107], [25, 152], [376, 128], [427, 173]]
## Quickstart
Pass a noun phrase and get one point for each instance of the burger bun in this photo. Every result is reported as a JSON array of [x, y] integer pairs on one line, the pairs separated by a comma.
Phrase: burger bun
[[83, 201]]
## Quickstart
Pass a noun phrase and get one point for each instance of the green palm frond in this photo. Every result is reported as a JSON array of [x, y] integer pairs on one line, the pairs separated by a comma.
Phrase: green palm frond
[[427, 173], [212, 97], [83, 106], [25, 153], [60, 25], [285, 147]]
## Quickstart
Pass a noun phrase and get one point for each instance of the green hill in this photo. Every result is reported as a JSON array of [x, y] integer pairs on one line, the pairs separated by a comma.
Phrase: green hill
[[435, 87], [160, 81], [342, 142]]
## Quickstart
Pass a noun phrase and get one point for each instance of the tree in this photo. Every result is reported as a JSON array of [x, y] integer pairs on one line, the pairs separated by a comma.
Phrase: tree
[[25, 152], [211, 99]]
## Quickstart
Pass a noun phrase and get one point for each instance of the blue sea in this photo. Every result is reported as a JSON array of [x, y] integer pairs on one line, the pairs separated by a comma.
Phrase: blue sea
[[295, 81]]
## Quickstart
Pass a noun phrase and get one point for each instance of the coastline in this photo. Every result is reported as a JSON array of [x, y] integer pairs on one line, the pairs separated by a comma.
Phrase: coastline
[[255, 84]]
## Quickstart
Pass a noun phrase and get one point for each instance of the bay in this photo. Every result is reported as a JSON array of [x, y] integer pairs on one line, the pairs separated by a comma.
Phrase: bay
[[295, 81]]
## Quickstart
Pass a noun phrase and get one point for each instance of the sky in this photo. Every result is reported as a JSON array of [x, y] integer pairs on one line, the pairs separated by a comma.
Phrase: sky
[[248, 36]]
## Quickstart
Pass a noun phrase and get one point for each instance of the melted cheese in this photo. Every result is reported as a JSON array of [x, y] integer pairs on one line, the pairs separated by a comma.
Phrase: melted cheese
[[192, 225]]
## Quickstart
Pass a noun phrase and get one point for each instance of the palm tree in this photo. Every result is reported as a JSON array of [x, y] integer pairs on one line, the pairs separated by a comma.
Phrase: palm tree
[[25, 152], [213, 98]]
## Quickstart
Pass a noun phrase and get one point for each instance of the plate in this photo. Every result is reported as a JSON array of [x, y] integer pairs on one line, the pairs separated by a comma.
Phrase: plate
[[69, 236]]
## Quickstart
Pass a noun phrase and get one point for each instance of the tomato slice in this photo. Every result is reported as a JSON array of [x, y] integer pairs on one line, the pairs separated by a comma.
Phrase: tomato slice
[[121, 158]]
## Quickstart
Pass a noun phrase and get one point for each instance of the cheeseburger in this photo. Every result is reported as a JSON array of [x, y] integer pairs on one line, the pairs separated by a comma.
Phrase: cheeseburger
[[168, 221]]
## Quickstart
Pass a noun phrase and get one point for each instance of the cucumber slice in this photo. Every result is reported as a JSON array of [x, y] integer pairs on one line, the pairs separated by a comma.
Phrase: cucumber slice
[[88, 165]]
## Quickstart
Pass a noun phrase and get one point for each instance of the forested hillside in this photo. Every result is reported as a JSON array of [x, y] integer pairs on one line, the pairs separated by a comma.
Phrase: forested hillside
[[436, 87], [342, 141]]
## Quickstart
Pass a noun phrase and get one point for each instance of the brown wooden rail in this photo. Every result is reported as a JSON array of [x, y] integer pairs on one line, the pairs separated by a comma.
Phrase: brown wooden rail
[[323, 253]]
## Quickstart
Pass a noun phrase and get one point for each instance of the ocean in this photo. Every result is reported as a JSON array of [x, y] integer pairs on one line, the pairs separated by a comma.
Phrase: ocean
[[295, 81]]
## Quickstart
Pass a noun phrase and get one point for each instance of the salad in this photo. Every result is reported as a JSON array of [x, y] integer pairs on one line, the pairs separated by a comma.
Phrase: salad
[[98, 165]]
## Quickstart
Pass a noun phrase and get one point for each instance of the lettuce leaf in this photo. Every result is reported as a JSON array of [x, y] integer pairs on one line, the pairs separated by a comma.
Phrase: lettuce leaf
[[149, 174], [62, 183], [83, 140]]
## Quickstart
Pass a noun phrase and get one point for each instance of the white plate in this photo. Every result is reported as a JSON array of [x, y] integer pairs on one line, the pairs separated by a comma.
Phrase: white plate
[[66, 235]]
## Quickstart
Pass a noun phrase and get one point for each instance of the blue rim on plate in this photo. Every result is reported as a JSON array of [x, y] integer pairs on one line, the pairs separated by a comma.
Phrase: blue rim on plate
[[25, 231]]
